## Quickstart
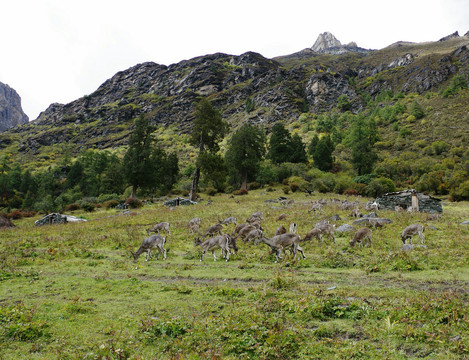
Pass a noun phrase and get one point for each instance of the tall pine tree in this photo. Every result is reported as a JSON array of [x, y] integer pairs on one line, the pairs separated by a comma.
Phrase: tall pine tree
[[362, 136], [209, 129], [322, 155], [245, 152], [146, 165]]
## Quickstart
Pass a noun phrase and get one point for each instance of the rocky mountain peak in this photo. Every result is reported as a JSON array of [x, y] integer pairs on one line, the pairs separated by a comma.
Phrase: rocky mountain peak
[[325, 41], [11, 113]]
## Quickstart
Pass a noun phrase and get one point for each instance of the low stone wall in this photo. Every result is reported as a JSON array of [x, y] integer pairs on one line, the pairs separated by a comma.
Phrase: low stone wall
[[404, 199]]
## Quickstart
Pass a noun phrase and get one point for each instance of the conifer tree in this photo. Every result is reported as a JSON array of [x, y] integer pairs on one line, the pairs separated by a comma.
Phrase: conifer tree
[[245, 152], [209, 129], [322, 155]]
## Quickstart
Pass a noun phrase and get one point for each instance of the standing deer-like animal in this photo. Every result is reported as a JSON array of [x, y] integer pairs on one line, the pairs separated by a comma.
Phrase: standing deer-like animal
[[149, 243], [243, 233], [319, 230], [194, 225], [284, 241], [356, 213], [411, 230], [159, 227], [254, 235], [217, 242], [213, 230], [361, 237]]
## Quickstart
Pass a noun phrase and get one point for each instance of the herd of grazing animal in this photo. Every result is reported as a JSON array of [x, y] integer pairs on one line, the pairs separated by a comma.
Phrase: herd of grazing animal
[[251, 231]]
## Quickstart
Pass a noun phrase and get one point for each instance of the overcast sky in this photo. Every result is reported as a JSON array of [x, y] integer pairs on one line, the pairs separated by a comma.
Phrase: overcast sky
[[59, 50]]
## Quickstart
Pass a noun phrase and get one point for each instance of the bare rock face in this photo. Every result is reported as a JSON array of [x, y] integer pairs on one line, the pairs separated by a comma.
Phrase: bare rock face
[[450, 36], [11, 113], [325, 41]]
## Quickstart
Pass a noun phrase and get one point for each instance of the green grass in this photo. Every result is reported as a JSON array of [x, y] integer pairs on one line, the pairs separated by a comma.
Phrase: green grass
[[73, 292]]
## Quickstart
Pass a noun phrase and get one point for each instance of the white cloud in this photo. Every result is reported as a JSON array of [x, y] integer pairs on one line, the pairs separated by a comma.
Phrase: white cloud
[[60, 50]]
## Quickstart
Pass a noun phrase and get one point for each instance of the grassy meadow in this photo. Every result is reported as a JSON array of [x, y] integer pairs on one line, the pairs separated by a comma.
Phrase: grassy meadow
[[73, 292]]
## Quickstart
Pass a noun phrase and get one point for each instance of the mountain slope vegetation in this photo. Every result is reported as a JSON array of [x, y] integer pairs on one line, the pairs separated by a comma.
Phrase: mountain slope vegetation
[[414, 95]]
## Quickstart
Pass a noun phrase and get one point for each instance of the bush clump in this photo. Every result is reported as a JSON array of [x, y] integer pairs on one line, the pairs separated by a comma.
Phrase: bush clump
[[134, 203], [210, 190], [110, 204]]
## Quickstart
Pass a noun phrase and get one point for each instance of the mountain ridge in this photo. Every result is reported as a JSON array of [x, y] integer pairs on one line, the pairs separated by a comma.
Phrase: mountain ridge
[[281, 88]]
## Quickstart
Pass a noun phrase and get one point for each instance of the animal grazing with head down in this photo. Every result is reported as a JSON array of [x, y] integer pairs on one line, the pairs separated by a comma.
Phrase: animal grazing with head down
[[217, 242], [159, 227], [361, 237], [213, 230], [230, 220], [412, 230], [319, 230], [254, 235], [257, 216], [285, 241], [149, 243]]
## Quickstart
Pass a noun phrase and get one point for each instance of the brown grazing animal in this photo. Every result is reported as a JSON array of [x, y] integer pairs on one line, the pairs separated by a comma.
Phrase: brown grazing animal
[[159, 227], [361, 237], [284, 241], [411, 230], [149, 243], [217, 242]]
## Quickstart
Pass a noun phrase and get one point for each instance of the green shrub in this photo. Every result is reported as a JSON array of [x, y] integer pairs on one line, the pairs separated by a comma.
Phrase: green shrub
[[416, 110], [72, 207], [461, 192], [87, 206], [254, 185], [440, 147], [106, 197], [404, 132], [210, 190], [110, 204], [380, 186], [364, 179], [134, 203], [342, 183], [458, 82], [240, 192], [428, 183], [319, 185]]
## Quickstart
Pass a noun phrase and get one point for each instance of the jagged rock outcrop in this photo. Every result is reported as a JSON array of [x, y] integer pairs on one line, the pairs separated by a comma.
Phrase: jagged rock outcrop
[[450, 36], [11, 113], [326, 43]]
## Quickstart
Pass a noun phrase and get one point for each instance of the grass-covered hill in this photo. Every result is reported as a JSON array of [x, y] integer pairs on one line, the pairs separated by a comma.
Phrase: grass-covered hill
[[415, 94]]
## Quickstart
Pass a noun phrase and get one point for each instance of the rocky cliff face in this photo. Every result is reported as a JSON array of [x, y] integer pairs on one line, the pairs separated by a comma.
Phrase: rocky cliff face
[[326, 43], [11, 113], [280, 89]]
